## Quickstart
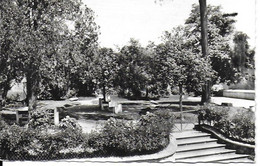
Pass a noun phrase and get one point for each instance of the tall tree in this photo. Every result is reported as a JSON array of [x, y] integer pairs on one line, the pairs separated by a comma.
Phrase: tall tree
[[9, 64], [204, 44], [242, 58], [132, 74], [220, 30], [43, 30], [158, 69], [105, 69], [204, 29], [189, 69], [74, 56]]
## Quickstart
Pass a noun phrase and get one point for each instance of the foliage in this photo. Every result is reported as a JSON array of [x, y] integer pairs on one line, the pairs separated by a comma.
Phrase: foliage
[[120, 137], [2, 123], [50, 142], [132, 76], [9, 69], [216, 17], [246, 83], [39, 118], [236, 123], [243, 60], [12, 140], [242, 56], [105, 69], [42, 119], [50, 42], [161, 70], [187, 68], [220, 29], [71, 123]]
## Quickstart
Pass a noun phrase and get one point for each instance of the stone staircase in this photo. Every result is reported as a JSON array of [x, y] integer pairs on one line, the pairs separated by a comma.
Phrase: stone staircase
[[195, 146]]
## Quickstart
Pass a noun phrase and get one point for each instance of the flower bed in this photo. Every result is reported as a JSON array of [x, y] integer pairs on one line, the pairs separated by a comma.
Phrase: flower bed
[[235, 123], [41, 140]]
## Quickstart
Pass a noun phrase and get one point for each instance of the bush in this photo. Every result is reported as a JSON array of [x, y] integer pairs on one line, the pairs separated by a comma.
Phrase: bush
[[247, 82], [243, 126], [71, 123], [42, 141], [236, 123], [13, 139], [59, 143], [2, 123], [40, 118], [45, 143], [121, 138]]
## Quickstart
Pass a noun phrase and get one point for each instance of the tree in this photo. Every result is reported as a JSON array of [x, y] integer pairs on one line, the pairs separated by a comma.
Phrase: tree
[[220, 29], [43, 37], [105, 69], [76, 56], [204, 43], [242, 56], [158, 69], [189, 70], [9, 68], [81, 49], [132, 75]]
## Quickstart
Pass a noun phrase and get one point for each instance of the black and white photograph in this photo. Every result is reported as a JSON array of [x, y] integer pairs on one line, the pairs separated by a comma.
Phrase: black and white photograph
[[115, 82]]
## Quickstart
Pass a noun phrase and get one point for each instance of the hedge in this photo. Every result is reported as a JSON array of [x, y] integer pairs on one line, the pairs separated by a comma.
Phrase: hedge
[[120, 137], [44, 141], [234, 122]]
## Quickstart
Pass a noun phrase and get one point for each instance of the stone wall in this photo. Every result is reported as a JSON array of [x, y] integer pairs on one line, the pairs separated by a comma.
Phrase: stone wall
[[240, 94]]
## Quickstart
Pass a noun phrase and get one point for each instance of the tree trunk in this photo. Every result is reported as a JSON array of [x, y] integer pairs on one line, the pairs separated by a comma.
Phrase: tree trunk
[[146, 93], [7, 87], [204, 30], [104, 92], [180, 99], [206, 92], [180, 104], [31, 91], [205, 98]]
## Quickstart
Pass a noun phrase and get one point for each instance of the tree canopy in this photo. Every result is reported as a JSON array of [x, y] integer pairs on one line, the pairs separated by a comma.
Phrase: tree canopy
[[54, 45], [43, 41]]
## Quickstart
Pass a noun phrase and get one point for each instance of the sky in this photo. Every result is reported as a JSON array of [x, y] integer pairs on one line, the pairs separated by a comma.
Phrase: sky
[[145, 20]]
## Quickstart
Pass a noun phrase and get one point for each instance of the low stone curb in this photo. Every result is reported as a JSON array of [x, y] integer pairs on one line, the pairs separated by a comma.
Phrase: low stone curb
[[167, 152]]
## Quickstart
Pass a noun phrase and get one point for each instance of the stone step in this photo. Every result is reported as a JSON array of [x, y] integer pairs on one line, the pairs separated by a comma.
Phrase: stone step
[[202, 152], [215, 158], [195, 140], [198, 147], [193, 147], [241, 160], [189, 134]]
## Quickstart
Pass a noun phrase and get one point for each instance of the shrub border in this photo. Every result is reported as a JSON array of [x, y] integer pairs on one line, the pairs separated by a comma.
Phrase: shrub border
[[165, 153]]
